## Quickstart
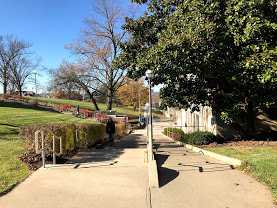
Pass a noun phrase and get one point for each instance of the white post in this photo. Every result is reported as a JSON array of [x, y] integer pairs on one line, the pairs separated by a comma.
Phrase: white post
[[42, 149], [139, 100], [54, 147], [61, 145]]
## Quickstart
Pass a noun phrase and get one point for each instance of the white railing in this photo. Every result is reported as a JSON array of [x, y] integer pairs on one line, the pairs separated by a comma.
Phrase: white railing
[[40, 146]]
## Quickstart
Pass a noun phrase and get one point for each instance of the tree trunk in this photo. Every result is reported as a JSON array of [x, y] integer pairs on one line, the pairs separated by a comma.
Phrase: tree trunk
[[110, 100], [20, 91], [5, 86], [5, 81], [94, 103], [92, 98], [251, 116]]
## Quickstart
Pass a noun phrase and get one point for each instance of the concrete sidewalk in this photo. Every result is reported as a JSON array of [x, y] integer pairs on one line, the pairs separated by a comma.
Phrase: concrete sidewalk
[[192, 180], [111, 177]]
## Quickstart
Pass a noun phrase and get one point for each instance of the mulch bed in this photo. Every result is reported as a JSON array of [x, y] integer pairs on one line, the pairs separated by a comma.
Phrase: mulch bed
[[34, 161]]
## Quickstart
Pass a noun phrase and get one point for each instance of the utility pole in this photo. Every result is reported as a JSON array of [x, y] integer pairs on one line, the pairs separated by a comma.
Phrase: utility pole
[[139, 99], [36, 88]]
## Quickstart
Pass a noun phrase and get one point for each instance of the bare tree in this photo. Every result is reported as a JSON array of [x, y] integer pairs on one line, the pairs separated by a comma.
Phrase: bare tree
[[76, 74], [10, 49], [21, 69], [99, 46]]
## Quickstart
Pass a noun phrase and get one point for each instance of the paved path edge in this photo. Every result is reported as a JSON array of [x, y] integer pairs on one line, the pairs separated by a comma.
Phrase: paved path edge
[[229, 160]]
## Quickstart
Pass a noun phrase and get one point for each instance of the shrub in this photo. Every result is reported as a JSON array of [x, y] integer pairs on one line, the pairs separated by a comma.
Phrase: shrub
[[89, 135], [73, 136], [199, 138], [120, 129], [174, 133]]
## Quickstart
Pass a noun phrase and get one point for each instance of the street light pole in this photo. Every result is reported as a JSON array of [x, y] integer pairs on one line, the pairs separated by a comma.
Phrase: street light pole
[[139, 100], [149, 75]]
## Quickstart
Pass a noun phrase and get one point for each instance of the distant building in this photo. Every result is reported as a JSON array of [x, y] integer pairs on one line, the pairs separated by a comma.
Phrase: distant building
[[24, 93], [28, 93]]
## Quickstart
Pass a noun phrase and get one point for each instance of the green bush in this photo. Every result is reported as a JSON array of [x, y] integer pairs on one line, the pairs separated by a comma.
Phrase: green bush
[[74, 136], [89, 135], [120, 129], [174, 133], [199, 138]]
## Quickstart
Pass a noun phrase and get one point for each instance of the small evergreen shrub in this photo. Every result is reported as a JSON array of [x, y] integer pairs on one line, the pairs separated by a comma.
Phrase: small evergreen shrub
[[120, 129], [174, 133], [88, 135], [199, 138]]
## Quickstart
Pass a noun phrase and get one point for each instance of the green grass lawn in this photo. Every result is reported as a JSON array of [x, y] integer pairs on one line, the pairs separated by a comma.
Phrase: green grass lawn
[[260, 162], [12, 117], [126, 110], [12, 170]]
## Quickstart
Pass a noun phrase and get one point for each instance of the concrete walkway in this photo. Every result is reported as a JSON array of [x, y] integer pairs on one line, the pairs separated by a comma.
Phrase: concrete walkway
[[191, 180], [117, 177], [111, 177]]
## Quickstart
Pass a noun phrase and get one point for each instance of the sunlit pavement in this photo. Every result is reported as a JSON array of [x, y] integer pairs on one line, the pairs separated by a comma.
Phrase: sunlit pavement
[[192, 180], [110, 177]]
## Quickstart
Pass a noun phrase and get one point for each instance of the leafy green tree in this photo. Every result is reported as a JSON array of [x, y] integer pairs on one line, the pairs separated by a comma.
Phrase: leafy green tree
[[220, 53]]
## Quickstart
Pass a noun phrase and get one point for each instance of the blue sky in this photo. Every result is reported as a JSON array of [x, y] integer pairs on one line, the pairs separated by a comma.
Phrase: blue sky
[[48, 25]]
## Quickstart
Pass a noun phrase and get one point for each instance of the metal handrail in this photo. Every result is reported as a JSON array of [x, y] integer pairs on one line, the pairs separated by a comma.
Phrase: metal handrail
[[39, 141], [38, 150], [54, 148]]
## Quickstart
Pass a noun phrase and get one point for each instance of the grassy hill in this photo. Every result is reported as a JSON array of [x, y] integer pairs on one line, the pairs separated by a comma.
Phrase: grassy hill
[[12, 117], [126, 110]]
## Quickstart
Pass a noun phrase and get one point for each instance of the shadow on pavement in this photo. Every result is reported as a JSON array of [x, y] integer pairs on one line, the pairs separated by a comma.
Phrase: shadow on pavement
[[166, 175], [206, 167], [109, 152]]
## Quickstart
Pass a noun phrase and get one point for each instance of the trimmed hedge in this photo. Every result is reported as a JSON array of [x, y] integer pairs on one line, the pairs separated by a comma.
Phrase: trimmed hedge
[[199, 138], [174, 133], [74, 136], [120, 129], [194, 138]]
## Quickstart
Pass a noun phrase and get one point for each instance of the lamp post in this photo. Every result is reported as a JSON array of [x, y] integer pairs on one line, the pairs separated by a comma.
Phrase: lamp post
[[149, 75]]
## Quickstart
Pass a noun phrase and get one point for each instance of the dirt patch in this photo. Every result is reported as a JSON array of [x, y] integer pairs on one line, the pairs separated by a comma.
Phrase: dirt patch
[[34, 161]]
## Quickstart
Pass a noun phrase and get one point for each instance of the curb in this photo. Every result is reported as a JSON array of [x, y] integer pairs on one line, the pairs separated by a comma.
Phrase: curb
[[153, 174], [229, 160]]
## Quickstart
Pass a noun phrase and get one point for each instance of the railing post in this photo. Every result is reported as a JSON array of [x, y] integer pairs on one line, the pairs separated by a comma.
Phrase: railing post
[[42, 149], [61, 145], [54, 148]]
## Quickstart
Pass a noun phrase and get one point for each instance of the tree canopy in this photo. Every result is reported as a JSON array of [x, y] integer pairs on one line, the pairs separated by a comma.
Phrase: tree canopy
[[220, 53], [96, 49], [133, 93]]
